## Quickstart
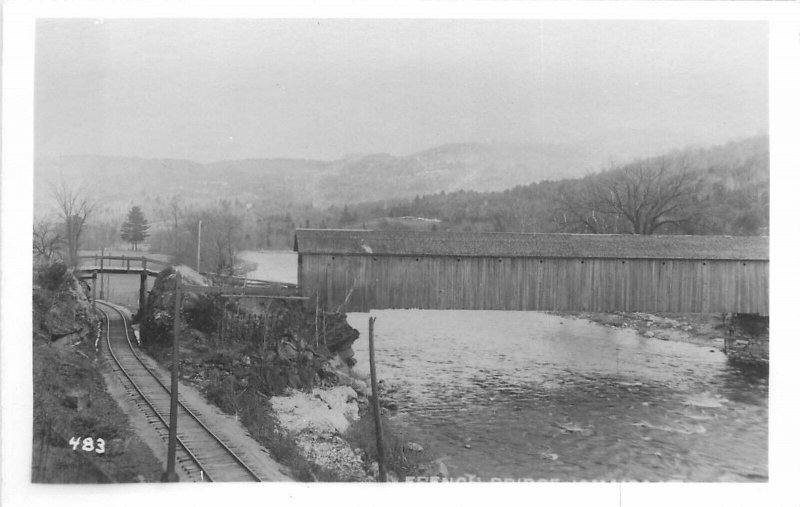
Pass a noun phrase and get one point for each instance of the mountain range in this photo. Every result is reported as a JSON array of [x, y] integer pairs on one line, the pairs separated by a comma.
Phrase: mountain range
[[120, 182]]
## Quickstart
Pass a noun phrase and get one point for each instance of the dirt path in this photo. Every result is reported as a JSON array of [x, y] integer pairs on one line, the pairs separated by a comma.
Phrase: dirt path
[[227, 427]]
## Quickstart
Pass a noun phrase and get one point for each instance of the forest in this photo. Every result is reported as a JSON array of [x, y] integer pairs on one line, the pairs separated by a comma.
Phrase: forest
[[720, 190]]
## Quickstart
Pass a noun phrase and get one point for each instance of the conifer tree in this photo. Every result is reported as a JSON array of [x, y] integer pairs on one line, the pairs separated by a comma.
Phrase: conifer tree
[[134, 230]]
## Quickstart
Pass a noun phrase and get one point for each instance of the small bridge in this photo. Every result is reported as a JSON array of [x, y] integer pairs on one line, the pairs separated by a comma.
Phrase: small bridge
[[92, 265], [360, 270], [120, 264], [233, 286]]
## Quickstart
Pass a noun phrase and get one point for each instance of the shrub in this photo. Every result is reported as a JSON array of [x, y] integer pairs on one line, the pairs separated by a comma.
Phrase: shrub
[[90, 426], [203, 314], [361, 434], [53, 276], [222, 393]]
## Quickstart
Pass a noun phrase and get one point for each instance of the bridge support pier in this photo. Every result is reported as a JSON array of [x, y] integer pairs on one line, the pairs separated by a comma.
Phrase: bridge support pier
[[102, 255], [142, 291], [94, 291]]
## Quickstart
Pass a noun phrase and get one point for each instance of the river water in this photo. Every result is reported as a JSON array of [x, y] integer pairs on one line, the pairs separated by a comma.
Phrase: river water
[[527, 395]]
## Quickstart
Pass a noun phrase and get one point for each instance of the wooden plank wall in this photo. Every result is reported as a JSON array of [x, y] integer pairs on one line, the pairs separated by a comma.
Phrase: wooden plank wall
[[361, 283]]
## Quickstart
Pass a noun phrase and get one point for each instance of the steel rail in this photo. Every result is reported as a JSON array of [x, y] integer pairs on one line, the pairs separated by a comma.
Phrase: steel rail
[[236, 458], [141, 393]]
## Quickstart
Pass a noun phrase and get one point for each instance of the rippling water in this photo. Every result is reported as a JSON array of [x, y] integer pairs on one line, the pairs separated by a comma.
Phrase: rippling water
[[533, 395]]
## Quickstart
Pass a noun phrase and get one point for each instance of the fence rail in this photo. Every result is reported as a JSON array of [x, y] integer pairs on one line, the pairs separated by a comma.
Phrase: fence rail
[[124, 258]]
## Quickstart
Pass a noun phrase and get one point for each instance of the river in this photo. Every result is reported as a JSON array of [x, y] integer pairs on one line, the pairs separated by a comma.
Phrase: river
[[527, 395]]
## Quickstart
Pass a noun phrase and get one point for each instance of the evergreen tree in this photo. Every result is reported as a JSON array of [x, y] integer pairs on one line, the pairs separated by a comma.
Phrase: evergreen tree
[[134, 230], [346, 217]]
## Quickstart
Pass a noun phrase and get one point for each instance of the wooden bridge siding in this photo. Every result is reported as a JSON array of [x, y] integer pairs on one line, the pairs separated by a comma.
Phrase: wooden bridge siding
[[479, 283]]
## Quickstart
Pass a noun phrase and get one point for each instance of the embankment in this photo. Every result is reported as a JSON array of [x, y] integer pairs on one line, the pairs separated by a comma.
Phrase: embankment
[[70, 399], [266, 361]]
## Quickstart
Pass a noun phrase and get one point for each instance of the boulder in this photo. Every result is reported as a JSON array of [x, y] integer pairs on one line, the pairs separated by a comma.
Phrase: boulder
[[413, 446], [69, 314]]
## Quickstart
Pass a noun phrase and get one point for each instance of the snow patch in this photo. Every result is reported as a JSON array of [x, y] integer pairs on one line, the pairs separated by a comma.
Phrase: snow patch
[[322, 411], [190, 276]]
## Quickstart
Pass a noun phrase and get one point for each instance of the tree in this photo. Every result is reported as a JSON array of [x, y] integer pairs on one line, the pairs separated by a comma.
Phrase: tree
[[47, 241], [227, 238], [221, 238], [134, 229], [637, 199], [75, 207], [174, 212], [346, 217]]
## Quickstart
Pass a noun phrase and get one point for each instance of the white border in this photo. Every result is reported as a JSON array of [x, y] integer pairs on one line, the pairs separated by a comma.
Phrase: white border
[[17, 212]]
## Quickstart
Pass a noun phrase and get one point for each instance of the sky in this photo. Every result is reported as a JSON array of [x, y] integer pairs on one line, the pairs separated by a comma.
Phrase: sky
[[210, 90]]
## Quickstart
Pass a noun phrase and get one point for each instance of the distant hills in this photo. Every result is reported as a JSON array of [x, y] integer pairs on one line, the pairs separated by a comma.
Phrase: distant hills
[[455, 187], [122, 181], [729, 193]]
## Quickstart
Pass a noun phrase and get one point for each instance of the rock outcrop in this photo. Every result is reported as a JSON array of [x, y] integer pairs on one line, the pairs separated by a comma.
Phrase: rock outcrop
[[747, 342], [62, 311], [270, 344]]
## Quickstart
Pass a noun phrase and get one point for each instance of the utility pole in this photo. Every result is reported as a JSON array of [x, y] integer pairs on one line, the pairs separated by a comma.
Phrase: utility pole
[[94, 291], [102, 254], [199, 236], [170, 475]]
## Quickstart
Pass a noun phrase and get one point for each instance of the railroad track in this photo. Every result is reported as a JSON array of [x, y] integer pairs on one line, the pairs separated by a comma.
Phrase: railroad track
[[202, 454]]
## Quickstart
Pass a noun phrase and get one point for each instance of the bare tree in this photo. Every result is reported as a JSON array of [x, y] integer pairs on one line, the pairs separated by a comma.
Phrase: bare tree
[[175, 212], [637, 199], [75, 206], [226, 237], [47, 241]]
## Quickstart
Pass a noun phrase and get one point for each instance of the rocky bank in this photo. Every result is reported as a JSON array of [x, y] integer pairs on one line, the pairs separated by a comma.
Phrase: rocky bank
[[743, 338], [279, 366], [70, 396]]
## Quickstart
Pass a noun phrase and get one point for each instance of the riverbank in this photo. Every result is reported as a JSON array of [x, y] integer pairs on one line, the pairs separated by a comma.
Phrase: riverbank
[[530, 395], [743, 338], [708, 330], [274, 365]]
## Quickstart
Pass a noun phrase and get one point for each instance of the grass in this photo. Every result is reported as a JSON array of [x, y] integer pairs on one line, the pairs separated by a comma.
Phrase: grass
[[126, 458], [399, 460], [59, 369], [257, 416]]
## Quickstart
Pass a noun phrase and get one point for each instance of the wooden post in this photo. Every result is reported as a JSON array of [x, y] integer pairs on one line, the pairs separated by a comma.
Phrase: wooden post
[[142, 292], [316, 323], [376, 407], [94, 291], [170, 475], [102, 254]]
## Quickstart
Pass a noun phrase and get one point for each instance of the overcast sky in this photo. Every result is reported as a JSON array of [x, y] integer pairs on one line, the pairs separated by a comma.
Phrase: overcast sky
[[225, 89]]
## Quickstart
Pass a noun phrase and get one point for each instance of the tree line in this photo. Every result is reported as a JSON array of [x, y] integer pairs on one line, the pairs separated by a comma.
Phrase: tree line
[[720, 190]]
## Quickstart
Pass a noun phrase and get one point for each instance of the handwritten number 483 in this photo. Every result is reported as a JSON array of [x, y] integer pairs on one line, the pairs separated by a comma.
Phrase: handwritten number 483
[[88, 444]]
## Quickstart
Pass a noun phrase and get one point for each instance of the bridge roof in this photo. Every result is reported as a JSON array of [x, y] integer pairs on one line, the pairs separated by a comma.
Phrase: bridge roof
[[501, 244]]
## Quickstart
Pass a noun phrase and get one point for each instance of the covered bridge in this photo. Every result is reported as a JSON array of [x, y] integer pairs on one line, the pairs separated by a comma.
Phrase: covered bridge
[[359, 270]]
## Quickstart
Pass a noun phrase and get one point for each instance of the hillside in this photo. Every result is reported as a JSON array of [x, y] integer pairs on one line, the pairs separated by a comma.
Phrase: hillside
[[257, 204], [121, 181], [729, 194]]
